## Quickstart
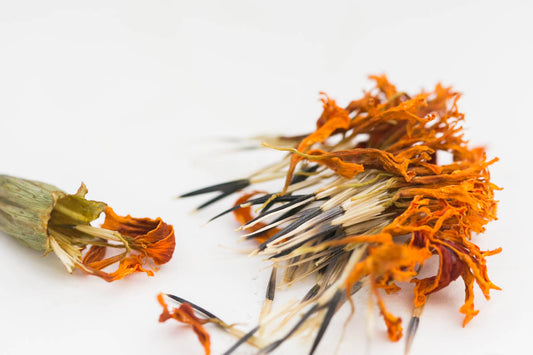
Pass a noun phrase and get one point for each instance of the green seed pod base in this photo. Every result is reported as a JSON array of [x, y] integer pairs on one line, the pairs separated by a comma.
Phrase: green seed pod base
[[25, 209]]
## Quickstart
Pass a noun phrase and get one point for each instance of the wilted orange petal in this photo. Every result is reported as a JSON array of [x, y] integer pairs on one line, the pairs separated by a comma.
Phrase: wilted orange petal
[[468, 308], [394, 324], [450, 268], [127, 266], [95, 253], [185, 314], [102, 264], [154, 238], [345, 169], [333, 119], [384, 85]]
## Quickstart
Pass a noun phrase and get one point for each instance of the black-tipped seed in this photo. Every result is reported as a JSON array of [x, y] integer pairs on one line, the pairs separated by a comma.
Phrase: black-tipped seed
[[356, 287], [306, 216], [194, 306], [241, 341], [317, 212], [271, 288], [332, 307], [328, 230], [272, 346], [254, 201], [286, 217], [298, 177], [410, 334], [258, 201], [213, 200], [298, 200], [225, 187], [311, 293], [302, 177]]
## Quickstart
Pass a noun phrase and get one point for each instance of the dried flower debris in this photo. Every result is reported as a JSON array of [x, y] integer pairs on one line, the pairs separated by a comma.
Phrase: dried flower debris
[[43, 217]]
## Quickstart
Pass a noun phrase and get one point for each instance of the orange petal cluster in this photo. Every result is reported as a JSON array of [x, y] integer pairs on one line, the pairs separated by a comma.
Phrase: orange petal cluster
[[440, 206], [153, 240]]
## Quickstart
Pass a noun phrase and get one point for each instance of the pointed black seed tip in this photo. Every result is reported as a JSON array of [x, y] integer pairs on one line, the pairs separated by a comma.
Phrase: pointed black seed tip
[[332, 307], [280, 208], [302, 177], [411, 331], [271, 289], [254, 201], [272, 346], [194, 306], [311, 293], [306, 216], [226, 187], [241, 341], [325, 230]]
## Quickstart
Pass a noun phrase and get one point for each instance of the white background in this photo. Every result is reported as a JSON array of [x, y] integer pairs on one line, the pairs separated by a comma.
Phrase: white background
[[135, 97]]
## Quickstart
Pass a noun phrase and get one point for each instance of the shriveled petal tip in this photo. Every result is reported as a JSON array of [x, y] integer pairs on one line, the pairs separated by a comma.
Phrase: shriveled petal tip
[[185, 314], [154, 238], [394, 327], [165, 314], [127, 266], [384, 85]]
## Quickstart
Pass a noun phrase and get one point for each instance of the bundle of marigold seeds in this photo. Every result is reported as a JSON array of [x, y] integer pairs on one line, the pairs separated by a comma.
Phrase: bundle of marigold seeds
[[364, 201]]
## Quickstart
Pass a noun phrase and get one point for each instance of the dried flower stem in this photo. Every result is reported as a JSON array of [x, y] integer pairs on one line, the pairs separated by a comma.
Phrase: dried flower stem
[[47, 219]]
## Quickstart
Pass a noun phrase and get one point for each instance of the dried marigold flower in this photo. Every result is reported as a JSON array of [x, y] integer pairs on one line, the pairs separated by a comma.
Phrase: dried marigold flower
[[366, 200], [45, 218]]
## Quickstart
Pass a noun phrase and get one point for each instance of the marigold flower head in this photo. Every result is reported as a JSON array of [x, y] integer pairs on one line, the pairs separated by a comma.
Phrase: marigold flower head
[[45, 218], [367, 199]]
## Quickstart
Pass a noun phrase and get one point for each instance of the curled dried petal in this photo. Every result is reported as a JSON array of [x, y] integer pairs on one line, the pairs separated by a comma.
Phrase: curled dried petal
[[95, 253], [185, 314], [333, 119], [154, 238], [127, 266]]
